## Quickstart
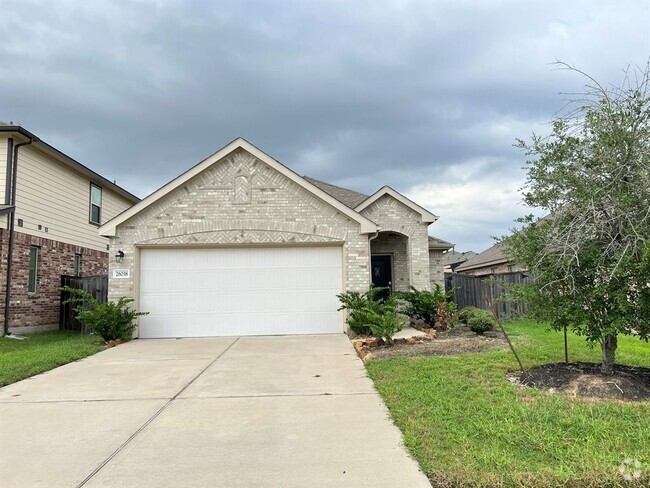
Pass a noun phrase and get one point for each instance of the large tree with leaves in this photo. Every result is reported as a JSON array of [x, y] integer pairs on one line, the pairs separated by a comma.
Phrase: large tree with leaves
[[591, 176]]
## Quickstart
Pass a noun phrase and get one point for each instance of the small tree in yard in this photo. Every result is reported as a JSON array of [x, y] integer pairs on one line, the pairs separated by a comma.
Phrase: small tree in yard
[[591, 255]]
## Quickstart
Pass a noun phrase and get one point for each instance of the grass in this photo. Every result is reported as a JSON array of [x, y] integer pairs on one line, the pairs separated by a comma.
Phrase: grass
[[468, 426], [43, 351]]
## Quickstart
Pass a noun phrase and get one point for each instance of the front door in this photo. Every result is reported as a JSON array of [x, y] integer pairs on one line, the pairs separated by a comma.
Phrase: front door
[[382, 272]]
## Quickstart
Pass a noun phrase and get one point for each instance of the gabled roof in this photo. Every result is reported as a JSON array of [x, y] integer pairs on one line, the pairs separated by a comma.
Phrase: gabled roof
[[491, 256], [427, 217], [109, 228], [435, 243], [65, 159], [349, 198]]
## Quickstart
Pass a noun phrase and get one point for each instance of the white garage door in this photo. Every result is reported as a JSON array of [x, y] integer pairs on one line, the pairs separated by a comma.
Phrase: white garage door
[[246, 291]]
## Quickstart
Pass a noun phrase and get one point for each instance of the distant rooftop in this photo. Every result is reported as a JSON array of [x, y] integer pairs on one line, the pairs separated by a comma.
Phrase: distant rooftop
[[492, 255], [454, 257]]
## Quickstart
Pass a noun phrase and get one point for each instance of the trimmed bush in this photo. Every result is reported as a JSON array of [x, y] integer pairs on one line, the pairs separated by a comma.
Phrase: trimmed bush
[[466, 313], [110, 320], [481, 321]]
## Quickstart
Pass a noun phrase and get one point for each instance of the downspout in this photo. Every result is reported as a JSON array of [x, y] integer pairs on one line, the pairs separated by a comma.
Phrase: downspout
[[370, 239], [12, 218]]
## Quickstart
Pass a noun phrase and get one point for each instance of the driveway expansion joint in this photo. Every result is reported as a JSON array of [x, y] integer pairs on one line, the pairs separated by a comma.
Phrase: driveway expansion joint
[[153, 417]]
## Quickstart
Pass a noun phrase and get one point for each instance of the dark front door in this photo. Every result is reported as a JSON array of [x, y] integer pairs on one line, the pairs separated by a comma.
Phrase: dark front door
[[382, 272]]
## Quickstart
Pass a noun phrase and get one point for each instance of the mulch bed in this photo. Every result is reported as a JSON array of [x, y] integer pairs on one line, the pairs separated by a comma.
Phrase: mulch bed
[[458, 340], [585, 380]]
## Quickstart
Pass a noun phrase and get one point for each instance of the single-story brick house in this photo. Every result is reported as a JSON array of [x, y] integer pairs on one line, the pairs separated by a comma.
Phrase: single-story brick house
[[241, 245]]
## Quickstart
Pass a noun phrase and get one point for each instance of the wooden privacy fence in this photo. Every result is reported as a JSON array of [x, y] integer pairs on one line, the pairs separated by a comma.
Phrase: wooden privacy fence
[[97, 286], [487, 292]]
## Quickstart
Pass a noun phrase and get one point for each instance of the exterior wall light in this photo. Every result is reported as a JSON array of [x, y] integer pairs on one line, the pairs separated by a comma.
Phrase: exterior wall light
[[119, 256]]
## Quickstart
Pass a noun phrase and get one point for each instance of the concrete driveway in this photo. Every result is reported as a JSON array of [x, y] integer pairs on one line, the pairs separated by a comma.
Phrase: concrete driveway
[[291, 411]]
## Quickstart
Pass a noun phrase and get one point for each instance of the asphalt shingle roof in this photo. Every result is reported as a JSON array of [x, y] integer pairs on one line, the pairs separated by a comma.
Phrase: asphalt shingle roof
[[455, 257], [349, 198], [492, 255]]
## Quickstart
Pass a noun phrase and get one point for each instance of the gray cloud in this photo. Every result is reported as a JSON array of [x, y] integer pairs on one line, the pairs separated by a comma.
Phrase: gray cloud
[[415, 94]]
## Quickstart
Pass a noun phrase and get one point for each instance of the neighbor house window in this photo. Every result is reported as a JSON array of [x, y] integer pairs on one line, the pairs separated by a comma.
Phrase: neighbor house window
[[77, 264], [95, 204], [33, 269], [511, 268]]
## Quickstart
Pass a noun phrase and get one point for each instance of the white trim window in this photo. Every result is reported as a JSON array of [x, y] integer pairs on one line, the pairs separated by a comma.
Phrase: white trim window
[[95, 216]]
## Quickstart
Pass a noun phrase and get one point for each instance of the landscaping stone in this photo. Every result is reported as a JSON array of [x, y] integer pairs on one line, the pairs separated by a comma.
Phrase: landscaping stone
[[374, 342], [409, 332]]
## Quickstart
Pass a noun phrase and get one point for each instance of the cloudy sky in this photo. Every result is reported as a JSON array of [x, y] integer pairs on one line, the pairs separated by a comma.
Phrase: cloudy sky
[[426, 96]]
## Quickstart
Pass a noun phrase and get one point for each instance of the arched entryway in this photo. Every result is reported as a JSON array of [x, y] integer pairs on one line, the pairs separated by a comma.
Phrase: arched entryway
[[389, 267]]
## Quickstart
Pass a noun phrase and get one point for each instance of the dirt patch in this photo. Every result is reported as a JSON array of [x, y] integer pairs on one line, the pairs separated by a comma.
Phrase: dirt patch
[[585, 380], [459, 340]]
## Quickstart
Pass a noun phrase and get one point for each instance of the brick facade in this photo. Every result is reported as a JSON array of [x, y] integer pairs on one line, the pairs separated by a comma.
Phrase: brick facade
[[240, 200], [436, 269], [33, 311], [393, 216]]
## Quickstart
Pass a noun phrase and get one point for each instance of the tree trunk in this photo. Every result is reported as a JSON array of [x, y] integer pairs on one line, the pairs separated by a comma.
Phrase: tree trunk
[[608, 345]]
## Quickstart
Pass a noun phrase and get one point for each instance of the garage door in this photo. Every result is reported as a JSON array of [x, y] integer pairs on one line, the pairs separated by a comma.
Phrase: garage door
[[245, 291]]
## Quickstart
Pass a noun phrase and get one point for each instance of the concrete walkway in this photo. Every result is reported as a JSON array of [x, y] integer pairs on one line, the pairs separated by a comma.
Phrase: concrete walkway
[[292, 411]]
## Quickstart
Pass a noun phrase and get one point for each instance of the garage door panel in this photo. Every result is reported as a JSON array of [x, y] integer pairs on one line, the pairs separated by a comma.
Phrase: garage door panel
[[247, 291]]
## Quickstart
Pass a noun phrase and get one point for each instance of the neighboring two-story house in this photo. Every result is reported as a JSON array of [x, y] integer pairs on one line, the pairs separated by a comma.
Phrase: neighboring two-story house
[[59, 205]]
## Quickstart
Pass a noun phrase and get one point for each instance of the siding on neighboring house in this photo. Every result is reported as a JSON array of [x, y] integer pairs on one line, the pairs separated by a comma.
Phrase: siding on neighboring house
[[56, 197], [3, 169]]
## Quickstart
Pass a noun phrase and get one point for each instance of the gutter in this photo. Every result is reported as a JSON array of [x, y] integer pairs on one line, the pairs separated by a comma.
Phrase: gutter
[[12, 218]]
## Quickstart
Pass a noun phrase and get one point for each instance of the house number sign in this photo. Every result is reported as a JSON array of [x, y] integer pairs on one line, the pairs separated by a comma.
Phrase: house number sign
[[121, 273]]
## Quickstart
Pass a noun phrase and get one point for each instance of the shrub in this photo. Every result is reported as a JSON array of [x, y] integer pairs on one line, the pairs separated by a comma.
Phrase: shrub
[[433, 307], [368, 314], [353, 302], [467, 313], [110, 320], [481, 321]]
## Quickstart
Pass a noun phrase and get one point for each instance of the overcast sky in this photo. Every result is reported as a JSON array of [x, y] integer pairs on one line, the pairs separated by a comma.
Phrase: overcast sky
[[425, 96]]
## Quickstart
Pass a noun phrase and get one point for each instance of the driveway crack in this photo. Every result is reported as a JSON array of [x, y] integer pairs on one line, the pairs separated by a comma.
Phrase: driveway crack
[[152, 418]]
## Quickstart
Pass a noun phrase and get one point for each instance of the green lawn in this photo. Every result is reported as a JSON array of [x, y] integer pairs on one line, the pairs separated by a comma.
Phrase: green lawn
[[468, 426], [41, 352]]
